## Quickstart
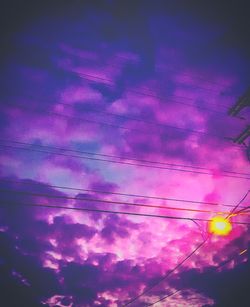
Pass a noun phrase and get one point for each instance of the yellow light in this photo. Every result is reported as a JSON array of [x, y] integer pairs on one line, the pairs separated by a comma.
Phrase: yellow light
[[220, 226]]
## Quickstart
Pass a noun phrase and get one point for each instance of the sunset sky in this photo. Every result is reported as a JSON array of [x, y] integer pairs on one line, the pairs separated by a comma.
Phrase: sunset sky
[[115, 106]]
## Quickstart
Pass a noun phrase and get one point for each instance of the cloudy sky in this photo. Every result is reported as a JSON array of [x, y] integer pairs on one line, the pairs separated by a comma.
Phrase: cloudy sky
[[122, 106]]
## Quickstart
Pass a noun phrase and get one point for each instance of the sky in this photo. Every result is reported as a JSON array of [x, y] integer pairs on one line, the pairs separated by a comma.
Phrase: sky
[[122, 106]]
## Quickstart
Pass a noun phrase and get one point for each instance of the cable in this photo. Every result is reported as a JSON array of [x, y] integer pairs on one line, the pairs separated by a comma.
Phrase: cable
[[157, 87], [87, 76], [170, 70], [120, 162], [242, 211], [30, 183], [177, 102], [90, 78], [123, 157], [125, 128], [109, 211], [237, 205], [118, 126], [128, 117], [96, 109], [165, 297], [216, 268], [113, 212], [110, 202], [168, 274]]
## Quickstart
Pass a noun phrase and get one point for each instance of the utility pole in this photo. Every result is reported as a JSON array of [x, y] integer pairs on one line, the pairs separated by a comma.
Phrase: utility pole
[[240, 139], [241, 103]]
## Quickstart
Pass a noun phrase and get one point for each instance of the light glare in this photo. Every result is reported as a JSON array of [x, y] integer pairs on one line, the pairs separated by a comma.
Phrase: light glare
[[220, 226]]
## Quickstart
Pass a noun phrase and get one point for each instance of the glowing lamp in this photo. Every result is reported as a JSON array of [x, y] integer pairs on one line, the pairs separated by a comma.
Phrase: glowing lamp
[[220, 226]]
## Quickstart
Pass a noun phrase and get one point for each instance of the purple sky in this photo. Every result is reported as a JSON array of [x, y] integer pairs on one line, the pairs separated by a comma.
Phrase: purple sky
[[86, 84]]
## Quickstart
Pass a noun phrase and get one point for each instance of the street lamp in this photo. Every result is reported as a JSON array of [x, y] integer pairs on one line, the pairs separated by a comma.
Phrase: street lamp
[[220, 226]]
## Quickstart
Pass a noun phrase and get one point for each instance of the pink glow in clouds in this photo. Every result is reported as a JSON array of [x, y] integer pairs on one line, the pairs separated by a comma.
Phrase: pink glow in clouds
[[99, 259]]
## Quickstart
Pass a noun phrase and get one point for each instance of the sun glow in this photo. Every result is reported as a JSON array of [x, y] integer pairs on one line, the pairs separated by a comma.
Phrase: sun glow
[[220, 226]]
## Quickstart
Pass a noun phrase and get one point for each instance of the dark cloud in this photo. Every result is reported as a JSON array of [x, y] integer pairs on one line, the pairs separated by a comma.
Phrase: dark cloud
[[103, 186], [41, 282], [116, 227], [16, 216], [27, 245], [68, 230], [228, 287], [45, 252]]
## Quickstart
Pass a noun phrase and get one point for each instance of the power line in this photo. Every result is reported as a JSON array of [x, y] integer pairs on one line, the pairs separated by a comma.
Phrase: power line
[[110, 201], [166, 275], [188, 86], [90, 78], [216, 268], [242, 211], [218, 113], [111, 211], [169, 70], [123, 157], [179, 264], [96, 109], [110, 125], [30, 183], [225, 138], [165, 297], [216, 91], [235, 208], [119, 162]]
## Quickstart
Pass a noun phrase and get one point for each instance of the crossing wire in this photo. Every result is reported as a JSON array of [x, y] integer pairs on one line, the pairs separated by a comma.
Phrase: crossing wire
[[216, 268], [180, 264], [235, 208], [168, 274]]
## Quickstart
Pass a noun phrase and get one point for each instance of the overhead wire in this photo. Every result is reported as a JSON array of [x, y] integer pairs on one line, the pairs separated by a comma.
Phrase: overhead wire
[[242, 211], [148, 289], [180, 263], [106, 211], [15, 204], [87, 76], [29, 193], [30, 183], [90, 78], [215, 268], [112, 125], [140, 162], [199, 76], [124, 157], [133, 61], [96, 109], [237, 205], [192, 86]]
